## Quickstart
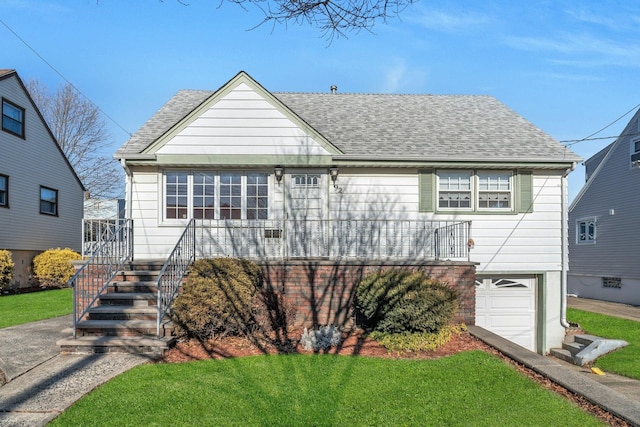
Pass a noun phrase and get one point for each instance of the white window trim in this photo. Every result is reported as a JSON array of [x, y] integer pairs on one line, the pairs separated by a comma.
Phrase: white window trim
[[595, 231], [190, 193], [475, 190]]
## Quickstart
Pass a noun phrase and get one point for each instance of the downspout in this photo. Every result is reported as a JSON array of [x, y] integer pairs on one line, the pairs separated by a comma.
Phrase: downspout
[[565, 248]]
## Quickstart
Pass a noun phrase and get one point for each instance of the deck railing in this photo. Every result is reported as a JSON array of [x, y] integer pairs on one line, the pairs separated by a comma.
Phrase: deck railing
[[174, 269], [106, 260], [96, 232], [343, 239]]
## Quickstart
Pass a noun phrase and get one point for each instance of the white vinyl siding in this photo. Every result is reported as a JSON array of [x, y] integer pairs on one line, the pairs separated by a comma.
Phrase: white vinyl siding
[[242, 122], [30, 163]]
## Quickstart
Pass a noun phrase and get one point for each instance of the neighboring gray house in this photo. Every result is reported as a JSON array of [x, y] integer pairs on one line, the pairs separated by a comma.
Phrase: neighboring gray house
[[604, 253], [334, 177], [40, 194]]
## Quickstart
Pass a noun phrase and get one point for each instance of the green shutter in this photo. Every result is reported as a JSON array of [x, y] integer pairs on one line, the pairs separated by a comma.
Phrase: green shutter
[[425, 190], [525, 192]]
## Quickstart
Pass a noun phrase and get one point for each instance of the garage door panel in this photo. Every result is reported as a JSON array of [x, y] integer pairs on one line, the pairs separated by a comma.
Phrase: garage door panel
[[506, 306], [510, 303]]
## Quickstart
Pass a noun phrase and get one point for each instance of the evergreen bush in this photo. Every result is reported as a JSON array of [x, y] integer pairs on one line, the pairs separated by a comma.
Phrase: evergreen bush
[[6, 269], [398, 301], [53, 267], [217, 298]]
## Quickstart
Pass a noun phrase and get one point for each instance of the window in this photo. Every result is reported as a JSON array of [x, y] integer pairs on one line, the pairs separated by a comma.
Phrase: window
[[586, 231], [635, 152], [211, 195], [48, 201], [12, 118], [306, 181], [4, 191], [481, 190], [454, 190], [494, 190]]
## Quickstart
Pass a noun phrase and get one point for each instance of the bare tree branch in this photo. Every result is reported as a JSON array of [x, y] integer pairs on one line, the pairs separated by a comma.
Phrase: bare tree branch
[[82, 134]]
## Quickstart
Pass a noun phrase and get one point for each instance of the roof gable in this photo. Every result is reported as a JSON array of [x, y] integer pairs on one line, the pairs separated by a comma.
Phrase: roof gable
[[6, 74], [240, 113]]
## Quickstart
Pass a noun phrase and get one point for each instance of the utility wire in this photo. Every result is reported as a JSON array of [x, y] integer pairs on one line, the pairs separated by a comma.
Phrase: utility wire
[[64, 78], [589, 138]]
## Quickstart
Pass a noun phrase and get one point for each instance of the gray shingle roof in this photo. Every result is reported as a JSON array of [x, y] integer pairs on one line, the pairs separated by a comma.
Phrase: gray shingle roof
[[387, 126]]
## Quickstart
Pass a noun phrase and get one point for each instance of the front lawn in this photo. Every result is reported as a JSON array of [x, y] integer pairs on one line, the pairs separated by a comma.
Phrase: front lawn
[[623, 361], [34, 306], [469, 388]]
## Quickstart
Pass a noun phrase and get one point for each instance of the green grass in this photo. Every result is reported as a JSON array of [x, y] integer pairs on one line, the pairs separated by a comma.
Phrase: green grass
[[623, 361], [468, 389], [25, 308]]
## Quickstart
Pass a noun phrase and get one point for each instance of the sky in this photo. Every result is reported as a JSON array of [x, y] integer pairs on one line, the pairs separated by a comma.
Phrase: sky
[[569, 67]]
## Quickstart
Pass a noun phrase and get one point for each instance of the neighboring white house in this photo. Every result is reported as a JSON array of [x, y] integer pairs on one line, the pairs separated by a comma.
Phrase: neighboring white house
[[40, 194], [344, 164], [604, 261]]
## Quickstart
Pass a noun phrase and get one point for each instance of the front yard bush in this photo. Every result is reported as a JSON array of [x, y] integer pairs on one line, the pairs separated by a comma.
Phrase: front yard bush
[[6, 269], [399, 301], [217, 299], [53, 267]]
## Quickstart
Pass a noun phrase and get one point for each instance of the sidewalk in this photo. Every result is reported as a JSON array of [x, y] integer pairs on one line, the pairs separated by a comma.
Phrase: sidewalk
[[42, 382]]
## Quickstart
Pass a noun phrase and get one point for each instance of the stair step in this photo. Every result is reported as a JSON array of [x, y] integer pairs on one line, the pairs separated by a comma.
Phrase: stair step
[[103, 344], [562, 354], [129, 286], [573, 347], [138, 275], [129, 298], [123, 312], [586, 339], [119, 327]]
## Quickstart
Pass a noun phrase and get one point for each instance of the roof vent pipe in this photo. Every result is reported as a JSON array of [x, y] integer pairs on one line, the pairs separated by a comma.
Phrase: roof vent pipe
[[334, 89]]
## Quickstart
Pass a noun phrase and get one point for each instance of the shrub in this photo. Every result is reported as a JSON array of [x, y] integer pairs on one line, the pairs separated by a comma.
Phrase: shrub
[[398, 301], [6, 269], [53, 267], [217, 298], [417, 341], [323, 338]]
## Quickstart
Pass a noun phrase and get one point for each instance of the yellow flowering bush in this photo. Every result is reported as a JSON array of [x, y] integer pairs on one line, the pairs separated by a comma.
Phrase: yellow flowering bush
[[53, 267]]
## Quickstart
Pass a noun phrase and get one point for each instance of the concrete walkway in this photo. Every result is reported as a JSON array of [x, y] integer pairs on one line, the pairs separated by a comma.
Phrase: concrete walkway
[[43, 383]]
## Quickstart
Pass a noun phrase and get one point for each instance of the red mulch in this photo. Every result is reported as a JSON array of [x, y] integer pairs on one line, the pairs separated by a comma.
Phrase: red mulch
[[357, 343]]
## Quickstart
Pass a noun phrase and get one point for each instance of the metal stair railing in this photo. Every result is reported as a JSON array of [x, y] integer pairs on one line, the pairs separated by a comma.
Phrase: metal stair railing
[[93, 277], [174, 269]]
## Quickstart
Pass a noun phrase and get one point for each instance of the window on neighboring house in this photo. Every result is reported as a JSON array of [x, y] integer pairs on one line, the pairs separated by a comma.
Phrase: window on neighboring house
[[635, 155], [211, 195], [4, 191], [586, 231], [12, 118], [48, 201]]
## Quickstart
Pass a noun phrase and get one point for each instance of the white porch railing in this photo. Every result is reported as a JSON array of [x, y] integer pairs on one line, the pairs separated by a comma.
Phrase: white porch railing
[[334, 239]]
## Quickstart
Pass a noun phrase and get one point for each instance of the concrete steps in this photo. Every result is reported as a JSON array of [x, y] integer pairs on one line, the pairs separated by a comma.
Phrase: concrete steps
[[582, 349], [125, 318]]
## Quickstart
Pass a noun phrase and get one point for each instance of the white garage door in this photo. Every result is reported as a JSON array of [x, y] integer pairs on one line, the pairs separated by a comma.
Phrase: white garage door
[[506, 306]]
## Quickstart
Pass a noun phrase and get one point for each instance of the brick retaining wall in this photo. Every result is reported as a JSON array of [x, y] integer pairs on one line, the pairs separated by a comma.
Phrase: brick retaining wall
[[323, 291]]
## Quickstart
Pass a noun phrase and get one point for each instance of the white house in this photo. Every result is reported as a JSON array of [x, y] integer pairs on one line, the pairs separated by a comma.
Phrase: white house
[[604, 260], [40, 195], [333, 175]]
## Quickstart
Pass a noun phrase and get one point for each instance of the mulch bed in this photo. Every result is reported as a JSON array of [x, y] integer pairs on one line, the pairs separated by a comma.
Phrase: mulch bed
[[358, 343]]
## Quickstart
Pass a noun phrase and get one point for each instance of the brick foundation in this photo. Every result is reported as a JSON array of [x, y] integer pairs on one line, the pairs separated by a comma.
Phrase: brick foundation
[[323, 291]]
